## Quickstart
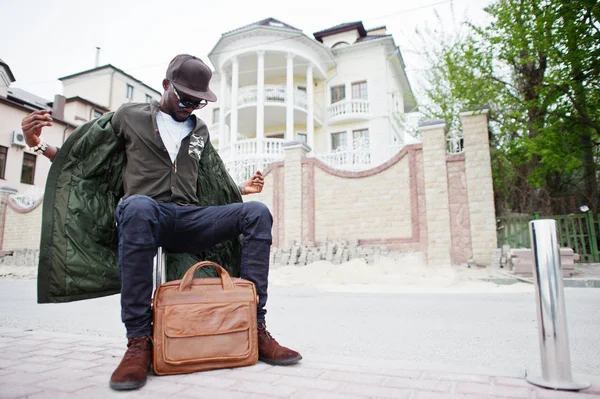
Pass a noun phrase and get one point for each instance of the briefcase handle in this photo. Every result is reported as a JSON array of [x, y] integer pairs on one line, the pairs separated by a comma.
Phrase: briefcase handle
[[186, 281]]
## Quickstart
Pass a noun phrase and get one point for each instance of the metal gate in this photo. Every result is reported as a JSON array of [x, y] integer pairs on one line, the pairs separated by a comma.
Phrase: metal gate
[[579, 232]]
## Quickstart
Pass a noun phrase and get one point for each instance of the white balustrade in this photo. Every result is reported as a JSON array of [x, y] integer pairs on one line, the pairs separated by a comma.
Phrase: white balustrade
[[348, 108], [250, 155], [275, 93], [358, 157], [246, 95]]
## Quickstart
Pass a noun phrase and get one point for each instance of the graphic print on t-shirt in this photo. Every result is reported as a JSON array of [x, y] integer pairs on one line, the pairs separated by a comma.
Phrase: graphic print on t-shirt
[[196, 146]]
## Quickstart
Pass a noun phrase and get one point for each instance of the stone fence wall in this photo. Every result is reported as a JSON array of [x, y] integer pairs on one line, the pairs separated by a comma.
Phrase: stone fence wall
[[422, 200]]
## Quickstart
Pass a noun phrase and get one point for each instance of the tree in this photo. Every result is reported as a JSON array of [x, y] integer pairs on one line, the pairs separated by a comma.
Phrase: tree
[[535, 65]]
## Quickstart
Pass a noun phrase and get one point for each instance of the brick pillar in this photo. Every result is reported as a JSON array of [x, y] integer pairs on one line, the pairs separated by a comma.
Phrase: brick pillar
[[480, 186], [436, 194], [294, 152]]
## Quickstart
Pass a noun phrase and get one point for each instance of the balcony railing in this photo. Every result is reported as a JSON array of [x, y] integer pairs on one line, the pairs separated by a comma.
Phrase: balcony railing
[[277, 94], [359, 157], [246, 156], [346, 110]]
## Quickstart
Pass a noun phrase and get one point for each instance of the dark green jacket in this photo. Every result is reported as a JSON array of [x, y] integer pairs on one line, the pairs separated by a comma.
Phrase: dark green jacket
[[78, 248]]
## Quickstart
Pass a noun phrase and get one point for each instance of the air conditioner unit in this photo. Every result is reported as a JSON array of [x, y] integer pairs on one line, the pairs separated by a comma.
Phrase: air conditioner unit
[[18, 139]]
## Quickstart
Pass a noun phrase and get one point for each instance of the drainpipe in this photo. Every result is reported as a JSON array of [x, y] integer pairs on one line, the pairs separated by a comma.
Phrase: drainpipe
[[110, 91]]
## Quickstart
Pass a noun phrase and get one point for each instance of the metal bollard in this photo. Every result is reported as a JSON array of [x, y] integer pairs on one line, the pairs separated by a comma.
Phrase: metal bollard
[[551, 314], [160, 274]]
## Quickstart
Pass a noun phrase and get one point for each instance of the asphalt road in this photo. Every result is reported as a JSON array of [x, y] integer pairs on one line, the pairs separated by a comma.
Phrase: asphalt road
[[492, 330]]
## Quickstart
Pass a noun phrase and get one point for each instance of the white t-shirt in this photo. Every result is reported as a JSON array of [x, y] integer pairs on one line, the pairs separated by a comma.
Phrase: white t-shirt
[[173, 132]]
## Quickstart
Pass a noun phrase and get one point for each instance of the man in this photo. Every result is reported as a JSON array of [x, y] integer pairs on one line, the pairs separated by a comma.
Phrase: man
[[166, 151]]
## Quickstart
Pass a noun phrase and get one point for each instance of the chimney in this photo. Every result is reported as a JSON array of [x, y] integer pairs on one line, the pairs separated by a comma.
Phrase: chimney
[[97, 57], [58, 107]]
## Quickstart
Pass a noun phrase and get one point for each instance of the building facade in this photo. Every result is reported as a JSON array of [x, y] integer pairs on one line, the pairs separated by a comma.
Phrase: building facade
[[86, 96], [342, 92]]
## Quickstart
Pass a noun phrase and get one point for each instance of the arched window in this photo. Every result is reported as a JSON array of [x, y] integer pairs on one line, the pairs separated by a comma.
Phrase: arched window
[[340, 44]]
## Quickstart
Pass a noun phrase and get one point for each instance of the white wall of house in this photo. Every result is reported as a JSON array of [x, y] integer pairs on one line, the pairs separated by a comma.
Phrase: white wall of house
[[107, 87], [344, 37], [93, 86], [11, 117]]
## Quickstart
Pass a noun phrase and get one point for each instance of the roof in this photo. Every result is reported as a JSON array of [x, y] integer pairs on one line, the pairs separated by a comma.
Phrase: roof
[[272, 22], [10, 74], [370, 37], [22, 96], [345, 27], [27, 107], [108, 66], [377, 28], [84, 100]]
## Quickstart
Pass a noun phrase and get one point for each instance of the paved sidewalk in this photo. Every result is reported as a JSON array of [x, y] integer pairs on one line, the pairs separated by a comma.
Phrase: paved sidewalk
[[56, 365]]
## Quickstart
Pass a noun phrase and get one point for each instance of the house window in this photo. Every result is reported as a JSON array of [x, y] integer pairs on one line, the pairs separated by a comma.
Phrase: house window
[[340, 44], [129, 92], [338, 140], [148, 98], [216, 115], [28, 171], [359, 90], [301, 137], [3, 153], [302, 88], [97, 114], [338, 93], [360, 134]]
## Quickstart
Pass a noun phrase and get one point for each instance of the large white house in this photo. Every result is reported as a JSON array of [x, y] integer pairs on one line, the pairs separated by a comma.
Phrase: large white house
[[343, 92]]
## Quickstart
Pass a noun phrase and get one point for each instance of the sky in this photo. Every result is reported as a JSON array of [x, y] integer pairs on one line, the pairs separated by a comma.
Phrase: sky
[[44, 40]]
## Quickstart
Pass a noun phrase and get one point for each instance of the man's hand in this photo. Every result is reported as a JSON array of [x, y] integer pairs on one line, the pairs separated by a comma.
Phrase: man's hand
[[254, 185], [32, 126]]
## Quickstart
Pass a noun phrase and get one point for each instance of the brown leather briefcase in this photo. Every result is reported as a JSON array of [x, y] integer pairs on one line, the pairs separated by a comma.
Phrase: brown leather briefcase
[[204, 323]]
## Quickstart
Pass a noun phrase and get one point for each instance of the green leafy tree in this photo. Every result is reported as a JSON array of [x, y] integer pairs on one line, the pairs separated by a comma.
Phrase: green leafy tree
[[536, 66]]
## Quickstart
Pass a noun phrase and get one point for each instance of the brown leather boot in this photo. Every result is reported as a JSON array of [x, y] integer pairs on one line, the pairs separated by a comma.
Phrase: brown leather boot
[[133, 369], [269, 351]]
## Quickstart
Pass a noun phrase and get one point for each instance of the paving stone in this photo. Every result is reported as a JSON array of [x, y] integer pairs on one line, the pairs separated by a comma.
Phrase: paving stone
[[51, 352], [282, 391], [352, 377], [9, 391], [293, 371], [490, 390], [63, 384], [33, 367], [484, 379], [302, 382], [314, 394], [81, 365], [423, 385], [206, 381], [82, 356], [374, 391], [69, 374], [201, 392], [21, 377]]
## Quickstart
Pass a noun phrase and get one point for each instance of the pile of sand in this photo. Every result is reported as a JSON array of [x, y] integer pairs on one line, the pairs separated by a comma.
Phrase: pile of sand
[[405, 273]]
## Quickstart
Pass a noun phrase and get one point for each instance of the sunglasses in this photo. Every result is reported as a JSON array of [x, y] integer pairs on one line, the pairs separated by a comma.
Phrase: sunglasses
[[188, 103]]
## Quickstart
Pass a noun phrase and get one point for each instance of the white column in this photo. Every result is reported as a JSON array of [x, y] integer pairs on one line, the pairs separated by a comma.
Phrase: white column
[[289, 99], [260, 101], [235, 69], [310, 122], [223, 93]]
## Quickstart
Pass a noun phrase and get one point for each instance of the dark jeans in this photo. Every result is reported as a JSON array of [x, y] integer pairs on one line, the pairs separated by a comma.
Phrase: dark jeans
[[144, 225]]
